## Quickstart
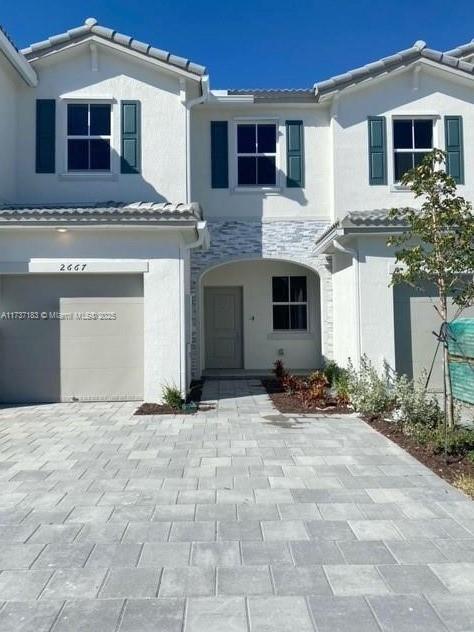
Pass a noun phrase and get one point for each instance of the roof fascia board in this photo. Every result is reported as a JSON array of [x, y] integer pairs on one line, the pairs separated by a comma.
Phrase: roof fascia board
[[117, 47], [370, 81], [19, 63]]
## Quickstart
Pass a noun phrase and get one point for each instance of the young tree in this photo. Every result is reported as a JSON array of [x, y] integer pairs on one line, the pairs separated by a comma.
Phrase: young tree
[[437, 246]]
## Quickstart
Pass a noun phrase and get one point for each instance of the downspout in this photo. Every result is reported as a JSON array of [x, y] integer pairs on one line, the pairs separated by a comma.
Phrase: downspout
[[202, 238], [187, 128], [355, 265]]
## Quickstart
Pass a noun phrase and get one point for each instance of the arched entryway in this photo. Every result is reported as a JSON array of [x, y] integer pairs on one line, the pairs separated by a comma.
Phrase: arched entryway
[[253, 312]]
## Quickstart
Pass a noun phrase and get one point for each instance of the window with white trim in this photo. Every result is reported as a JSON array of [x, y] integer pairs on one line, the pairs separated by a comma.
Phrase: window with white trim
[[290, 303], [412, 140], [88, 136], [256, 154]]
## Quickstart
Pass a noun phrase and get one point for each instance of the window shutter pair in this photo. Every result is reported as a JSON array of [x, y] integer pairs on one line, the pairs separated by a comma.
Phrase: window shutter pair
[[220, 154], [378, 149], [130, 158]]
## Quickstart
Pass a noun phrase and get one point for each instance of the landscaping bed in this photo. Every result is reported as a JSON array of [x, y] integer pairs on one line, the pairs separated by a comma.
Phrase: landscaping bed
[[457, 469], [173, 403], [291, 403]]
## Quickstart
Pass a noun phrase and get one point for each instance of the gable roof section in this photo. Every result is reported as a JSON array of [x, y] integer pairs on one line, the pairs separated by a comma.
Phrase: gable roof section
[[90, 28], [418, 51], [16, 59], [462, 51]]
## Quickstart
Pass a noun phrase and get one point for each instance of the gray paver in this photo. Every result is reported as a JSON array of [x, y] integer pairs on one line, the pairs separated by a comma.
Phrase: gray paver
[[188, 582], [85, 615], [131, 583], [279, 614], [254, 580], [74, 583], [119, 521], [304, 580], [405, 613], [342, 614], [29, 616], [150, 615], [214, 614]]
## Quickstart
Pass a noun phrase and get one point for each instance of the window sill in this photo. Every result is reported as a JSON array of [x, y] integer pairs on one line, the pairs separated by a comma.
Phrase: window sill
[[290, 335], [84, 176], [261, 190], [399, 188]]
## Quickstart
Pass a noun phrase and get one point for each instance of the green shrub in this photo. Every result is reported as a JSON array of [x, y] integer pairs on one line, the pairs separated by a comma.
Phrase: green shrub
[[332, 371], [459, 441], [414, 405], [369, 392], [470, 456], [279, 370], [172, 396]]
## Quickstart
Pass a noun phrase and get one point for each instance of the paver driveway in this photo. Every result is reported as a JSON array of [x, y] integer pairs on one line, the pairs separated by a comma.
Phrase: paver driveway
[[231, 520]]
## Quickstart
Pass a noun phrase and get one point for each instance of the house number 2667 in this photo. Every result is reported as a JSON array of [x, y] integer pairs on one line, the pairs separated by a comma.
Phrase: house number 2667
[[72, 267]]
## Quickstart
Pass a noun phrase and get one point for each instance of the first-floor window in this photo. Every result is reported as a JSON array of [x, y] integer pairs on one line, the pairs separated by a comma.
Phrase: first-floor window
[[290, 303], [256, 154], [88, 136], [412, 140]]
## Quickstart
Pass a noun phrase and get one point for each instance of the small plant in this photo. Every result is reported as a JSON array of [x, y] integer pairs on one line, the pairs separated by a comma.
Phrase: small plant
[[341, 387], [369, 392], [458, 442], [470, 456], [172, 396], [279, 370], [314, 389], [465, 483], [414, 405], [332, 371]]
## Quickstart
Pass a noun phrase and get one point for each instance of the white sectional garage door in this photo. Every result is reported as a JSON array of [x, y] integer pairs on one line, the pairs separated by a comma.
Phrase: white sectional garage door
[[94, 351]]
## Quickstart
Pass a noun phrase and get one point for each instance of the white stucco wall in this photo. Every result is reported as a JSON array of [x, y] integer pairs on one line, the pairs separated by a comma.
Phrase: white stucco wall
[[8, 106], [310, 202], [344, 312], [376, 301], [164, 357], [302, 350], [434, 93], [119, 76]]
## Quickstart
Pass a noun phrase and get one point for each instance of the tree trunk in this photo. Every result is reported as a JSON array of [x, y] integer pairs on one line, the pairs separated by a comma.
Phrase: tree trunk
[[447, 377]]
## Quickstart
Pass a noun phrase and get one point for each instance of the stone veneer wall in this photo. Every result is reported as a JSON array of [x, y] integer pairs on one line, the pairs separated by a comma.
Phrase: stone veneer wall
[[285, 240]]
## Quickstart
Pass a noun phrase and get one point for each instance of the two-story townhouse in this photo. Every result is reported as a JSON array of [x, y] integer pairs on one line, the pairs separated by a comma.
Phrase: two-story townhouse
[[152, 229]]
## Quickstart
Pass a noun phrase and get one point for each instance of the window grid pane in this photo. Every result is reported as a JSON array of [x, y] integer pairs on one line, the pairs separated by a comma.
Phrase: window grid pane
[[290, 308], [88, 142], [256, 154]]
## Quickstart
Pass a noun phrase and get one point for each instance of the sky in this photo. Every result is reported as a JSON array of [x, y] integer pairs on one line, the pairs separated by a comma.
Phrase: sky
[[259, 44]]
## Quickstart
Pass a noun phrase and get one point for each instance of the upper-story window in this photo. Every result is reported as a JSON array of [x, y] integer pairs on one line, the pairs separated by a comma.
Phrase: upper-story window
[[256, 154], [88, 136], [412, 140], [290, 303]]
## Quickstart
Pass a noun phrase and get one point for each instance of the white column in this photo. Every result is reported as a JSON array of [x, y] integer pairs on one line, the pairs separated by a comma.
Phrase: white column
[[163, 304]]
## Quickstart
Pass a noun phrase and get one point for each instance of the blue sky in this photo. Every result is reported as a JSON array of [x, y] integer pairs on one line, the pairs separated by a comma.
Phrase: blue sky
[[264, 43]]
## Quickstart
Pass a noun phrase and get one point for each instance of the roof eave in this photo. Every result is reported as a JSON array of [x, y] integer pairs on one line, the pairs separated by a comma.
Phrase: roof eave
[[18, 61]]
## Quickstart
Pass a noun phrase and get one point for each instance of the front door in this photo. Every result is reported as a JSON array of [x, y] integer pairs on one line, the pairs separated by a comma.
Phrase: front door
[[223, 319]]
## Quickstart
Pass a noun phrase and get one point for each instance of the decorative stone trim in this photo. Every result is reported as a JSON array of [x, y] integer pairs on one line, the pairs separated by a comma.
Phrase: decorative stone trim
[[280, 240]]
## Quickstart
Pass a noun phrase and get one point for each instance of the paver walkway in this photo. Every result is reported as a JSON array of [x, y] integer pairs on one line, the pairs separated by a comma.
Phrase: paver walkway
[[230, 520]]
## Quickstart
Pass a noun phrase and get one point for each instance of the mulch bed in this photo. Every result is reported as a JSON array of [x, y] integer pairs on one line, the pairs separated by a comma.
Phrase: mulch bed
[[194, 397], [450, 469], [290, 404]]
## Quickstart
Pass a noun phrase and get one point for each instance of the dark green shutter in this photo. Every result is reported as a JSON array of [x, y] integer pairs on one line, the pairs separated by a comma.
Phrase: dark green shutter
[[45, 136], [454, 147], [130, 160], [294, 154], [219, 155], [377, 150]]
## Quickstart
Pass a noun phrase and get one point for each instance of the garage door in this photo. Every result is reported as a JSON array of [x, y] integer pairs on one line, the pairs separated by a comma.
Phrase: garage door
[[86, 344], [415, 344]]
